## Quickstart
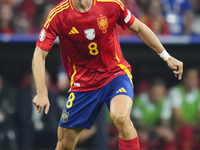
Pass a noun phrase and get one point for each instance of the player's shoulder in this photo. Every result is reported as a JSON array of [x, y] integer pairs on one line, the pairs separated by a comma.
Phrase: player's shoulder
[[112, 3], [62, 6], [59, 8], [57, 11]]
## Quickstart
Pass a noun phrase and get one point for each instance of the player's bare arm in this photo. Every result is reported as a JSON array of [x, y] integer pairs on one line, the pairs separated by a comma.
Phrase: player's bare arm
[[38, 66], [150, 39]]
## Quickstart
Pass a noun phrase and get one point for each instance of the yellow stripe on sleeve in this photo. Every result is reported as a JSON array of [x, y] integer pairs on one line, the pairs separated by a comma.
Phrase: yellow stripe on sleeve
[[95, 2], [55, 11], [56, 14], [70, 3]]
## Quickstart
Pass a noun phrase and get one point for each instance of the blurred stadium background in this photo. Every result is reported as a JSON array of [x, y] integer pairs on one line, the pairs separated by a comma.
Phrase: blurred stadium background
[[178, 28]]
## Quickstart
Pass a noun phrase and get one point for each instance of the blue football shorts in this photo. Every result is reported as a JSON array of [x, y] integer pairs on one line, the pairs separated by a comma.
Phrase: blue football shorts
[[82, 108]]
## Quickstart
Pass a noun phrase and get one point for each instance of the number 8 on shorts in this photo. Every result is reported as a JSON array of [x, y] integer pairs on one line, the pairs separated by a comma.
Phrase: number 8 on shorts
[[70, 100]]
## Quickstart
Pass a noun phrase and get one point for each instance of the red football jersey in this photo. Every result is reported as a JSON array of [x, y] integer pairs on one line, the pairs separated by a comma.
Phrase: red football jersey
[[89, 46]]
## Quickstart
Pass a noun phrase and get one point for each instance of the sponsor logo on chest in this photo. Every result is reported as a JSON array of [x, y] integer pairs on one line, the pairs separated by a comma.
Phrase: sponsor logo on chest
[[90, 34]]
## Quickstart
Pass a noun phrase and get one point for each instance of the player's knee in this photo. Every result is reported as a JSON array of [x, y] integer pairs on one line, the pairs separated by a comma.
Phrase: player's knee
[[62, 145], [119, 120]]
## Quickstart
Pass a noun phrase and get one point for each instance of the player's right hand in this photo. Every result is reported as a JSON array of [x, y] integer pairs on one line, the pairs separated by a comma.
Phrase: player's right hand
[[41, 101]]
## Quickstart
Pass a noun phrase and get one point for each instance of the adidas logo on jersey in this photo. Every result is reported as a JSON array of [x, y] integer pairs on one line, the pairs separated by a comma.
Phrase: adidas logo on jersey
[[73, 31], [122, 90]]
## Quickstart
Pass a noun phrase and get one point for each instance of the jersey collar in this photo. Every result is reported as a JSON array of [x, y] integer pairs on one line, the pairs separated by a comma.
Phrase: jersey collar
[[72, 7]]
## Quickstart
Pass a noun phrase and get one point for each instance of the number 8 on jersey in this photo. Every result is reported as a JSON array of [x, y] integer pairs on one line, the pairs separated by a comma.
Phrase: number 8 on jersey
[[93, 48]]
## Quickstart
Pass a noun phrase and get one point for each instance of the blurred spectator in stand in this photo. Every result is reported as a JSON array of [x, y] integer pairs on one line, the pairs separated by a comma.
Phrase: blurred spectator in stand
[[142, 86], [63, 85], [132, 6], [25, 12], [179, 15], [36, 130], [154, 18], [151, 114], [6, 18], [7, 111], [196, 22], [196, 6], [52, 1], [185, 98], [40, 16]]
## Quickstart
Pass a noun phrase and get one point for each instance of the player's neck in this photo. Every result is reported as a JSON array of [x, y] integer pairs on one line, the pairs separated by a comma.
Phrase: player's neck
[[82, 5]]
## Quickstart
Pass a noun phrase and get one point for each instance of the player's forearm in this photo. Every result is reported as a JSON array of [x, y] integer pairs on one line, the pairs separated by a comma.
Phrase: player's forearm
[[38, 68], [149, 38]]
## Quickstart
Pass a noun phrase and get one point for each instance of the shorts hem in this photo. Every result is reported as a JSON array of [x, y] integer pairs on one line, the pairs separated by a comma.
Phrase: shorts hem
[[123, 94], [75, 126]]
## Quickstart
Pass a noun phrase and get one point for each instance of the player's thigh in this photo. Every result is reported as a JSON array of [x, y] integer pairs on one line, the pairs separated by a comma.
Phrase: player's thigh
[[120, 106], [68, 137]]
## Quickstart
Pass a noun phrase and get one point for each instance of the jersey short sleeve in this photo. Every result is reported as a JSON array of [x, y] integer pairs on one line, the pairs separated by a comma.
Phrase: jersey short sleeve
[[125, 18], [48, 33]]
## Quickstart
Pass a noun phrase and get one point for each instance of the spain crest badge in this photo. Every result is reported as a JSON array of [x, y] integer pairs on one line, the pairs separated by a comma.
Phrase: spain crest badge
[[65, 116], [102, 22]]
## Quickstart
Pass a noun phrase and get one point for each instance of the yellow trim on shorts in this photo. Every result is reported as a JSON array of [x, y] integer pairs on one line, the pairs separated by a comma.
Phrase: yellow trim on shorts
[[118, 60], [69, 59], [55, 11], [124, 68], [116, 1], [127, 71], [72, 77]]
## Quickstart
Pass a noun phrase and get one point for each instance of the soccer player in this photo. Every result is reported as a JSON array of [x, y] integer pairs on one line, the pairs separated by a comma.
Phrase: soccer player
[[95, 65]]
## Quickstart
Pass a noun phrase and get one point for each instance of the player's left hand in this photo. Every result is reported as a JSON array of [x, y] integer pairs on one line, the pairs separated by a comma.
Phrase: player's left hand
[[41, 101], [175, 65]]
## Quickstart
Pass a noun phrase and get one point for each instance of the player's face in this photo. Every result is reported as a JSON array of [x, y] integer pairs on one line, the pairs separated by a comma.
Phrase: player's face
[[191, 79]]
